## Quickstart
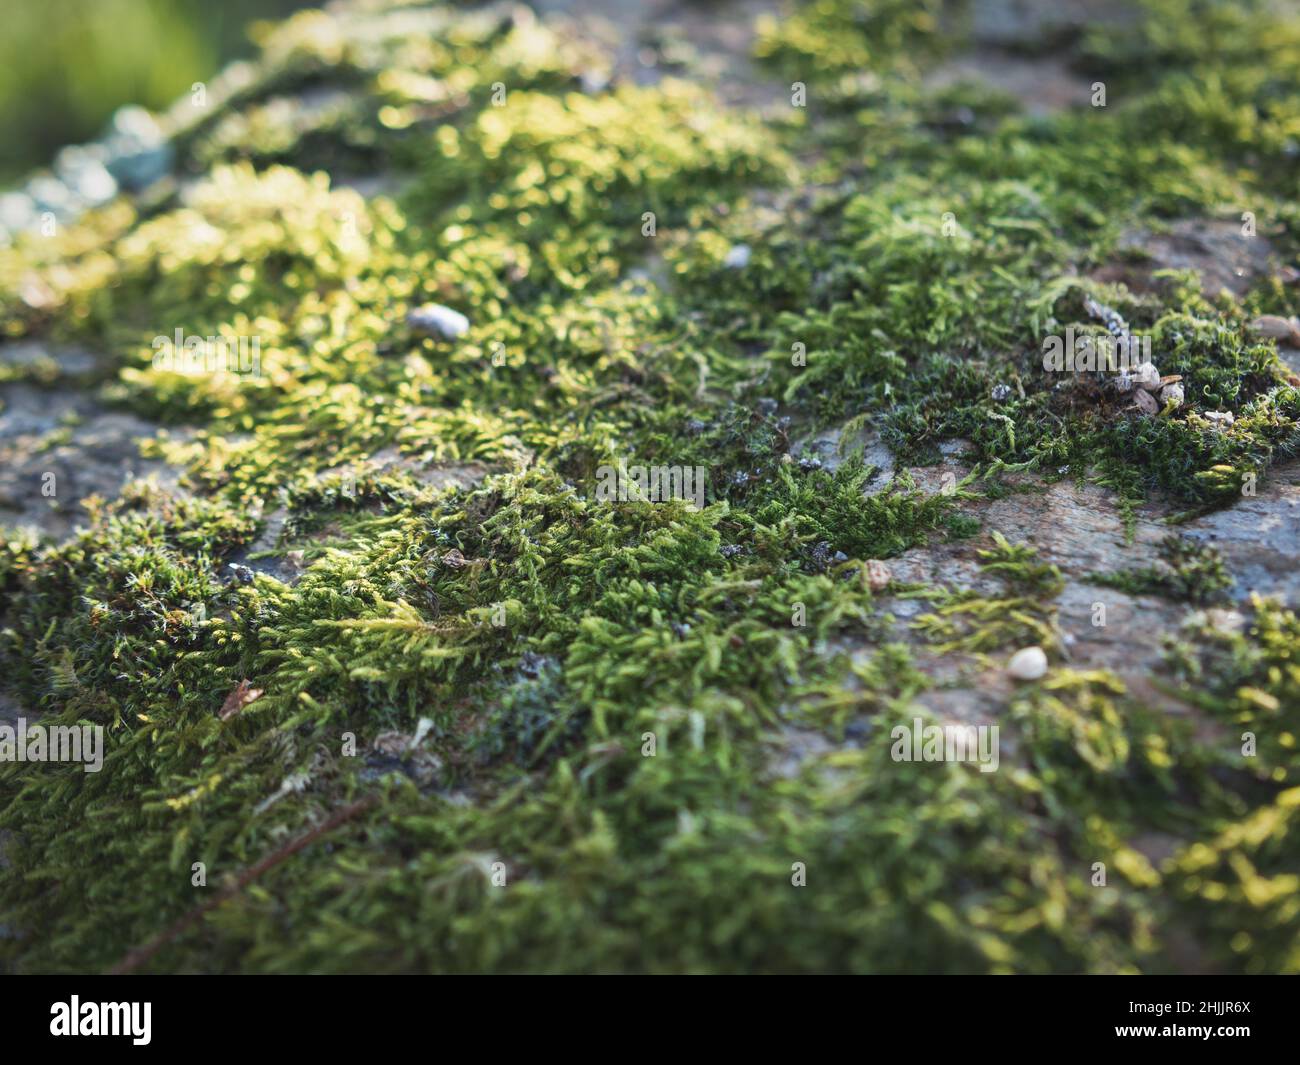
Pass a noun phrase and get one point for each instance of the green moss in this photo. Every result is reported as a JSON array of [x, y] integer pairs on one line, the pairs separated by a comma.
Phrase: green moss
[[534, 635], [972, 623], [1193, 572]]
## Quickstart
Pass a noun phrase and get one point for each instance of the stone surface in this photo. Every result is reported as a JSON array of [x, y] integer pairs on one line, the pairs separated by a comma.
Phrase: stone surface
[[88, 449]]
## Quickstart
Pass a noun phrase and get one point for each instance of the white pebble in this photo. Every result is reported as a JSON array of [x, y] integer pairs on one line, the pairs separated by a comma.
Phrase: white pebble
[[738, 257], [1147, 376], [434, 319], [1172, 394], [1029, 663]]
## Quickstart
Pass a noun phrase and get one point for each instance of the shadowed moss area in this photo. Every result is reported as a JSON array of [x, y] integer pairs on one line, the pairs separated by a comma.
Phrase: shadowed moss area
[[576, 714]]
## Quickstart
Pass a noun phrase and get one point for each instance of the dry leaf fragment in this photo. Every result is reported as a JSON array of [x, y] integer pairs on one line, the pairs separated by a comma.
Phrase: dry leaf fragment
[[243, 694]]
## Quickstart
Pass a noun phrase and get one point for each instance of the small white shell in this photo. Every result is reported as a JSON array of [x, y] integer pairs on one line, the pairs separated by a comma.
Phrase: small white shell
[[1172, 394], [1029, 663]]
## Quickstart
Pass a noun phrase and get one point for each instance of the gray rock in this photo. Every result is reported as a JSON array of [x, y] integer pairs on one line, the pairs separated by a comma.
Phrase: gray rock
[[138, 153]]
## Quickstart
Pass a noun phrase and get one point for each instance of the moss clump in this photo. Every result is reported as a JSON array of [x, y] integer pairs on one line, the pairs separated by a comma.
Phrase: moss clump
[[613, 701], [1189, 571]]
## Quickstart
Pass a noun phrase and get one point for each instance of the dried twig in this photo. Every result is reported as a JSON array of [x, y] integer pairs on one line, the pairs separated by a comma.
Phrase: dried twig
[[140, 955]]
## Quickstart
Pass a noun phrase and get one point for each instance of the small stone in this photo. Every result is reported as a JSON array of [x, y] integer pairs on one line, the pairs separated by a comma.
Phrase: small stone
[[1145, 403], [1029, 663], [1147, 376], [80, 168], [878, 575], [1001, 393], [593, 81], [241, 574], [433, 319], [17, 212], [1228, 622], [823, 556], [50, 194], [737, 258], [1276, 328], [531, 664], [1219, 419], [1172, 394], [137, 152]]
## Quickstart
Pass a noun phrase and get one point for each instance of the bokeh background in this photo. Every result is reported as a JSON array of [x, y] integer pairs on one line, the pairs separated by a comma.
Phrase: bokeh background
[[67, 65]]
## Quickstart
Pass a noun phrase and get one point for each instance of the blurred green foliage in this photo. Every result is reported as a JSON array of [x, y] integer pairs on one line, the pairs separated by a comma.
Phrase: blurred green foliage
[[67, 65]]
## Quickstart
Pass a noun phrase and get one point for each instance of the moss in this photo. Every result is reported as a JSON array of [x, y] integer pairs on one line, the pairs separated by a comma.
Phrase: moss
[[1189, 571], [913, 254], [972, 623]]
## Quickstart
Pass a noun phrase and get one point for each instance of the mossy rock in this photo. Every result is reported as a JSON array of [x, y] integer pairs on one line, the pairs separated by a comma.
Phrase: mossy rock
[[372, 585]]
